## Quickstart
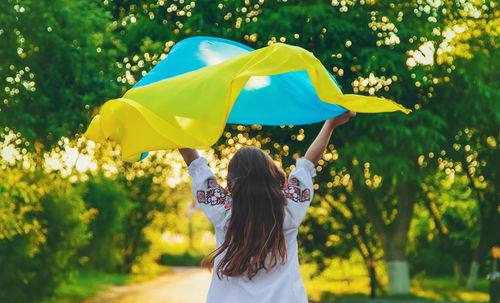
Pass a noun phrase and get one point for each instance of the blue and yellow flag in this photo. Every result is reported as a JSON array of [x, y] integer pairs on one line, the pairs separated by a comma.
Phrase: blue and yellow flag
[[204, 83]]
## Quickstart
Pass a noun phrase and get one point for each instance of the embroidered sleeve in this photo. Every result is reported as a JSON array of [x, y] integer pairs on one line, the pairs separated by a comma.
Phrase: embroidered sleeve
[[299, 189], [212, 198]]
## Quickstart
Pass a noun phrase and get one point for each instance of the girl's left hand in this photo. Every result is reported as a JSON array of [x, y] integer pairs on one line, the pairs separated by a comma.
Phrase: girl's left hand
[[339, 120]]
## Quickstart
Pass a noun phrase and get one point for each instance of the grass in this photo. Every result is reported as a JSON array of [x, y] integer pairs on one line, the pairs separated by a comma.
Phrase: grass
[[423, 289], [446, 289], [87, 284], [348, 280]]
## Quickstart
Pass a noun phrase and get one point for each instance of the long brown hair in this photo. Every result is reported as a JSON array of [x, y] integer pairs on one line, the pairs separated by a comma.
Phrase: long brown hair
[[255, 229]]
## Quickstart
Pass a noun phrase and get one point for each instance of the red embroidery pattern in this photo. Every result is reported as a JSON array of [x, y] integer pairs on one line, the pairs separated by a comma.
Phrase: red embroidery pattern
[[306, 195], [229, 203], [292, 193], [216, 196], [200, 195]]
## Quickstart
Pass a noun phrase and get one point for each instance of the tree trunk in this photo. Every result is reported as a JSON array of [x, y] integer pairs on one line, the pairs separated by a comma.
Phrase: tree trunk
[[444, 234], [367, 253], [393, 236], [396, 263], [479, 254], [474, 270], [490, 222], [399, 277], [373, 279], [458, 272], [489, 204]]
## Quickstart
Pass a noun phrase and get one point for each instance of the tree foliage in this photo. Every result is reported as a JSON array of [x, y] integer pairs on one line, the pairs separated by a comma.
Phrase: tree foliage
[[57, 62], [44, 223], [108, 199]]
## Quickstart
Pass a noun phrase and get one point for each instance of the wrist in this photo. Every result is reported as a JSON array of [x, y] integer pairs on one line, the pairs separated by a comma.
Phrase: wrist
[[331, 123]]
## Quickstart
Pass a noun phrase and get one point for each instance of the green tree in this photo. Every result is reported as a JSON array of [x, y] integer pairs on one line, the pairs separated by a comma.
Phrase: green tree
[[339, 223], [108, 199], [144, 196], [473, 138], [56, 62], [43, 224], [445, 243], [369, 60], [135, 203]]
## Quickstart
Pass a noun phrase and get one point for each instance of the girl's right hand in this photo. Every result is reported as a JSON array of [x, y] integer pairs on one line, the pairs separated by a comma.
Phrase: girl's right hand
[[317, 148]]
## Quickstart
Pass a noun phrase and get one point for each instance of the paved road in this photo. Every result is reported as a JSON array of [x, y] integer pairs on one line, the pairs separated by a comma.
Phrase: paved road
[[185, 285]]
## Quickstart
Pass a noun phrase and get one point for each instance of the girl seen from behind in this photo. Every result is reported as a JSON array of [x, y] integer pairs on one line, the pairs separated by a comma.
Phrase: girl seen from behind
[[256, 220]]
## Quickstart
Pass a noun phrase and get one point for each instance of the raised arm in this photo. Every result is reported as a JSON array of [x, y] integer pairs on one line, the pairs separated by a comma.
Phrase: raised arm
[[189, 155], [317, 148]]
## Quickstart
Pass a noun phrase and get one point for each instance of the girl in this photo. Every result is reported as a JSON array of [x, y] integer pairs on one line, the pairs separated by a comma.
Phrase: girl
[[256, 221]]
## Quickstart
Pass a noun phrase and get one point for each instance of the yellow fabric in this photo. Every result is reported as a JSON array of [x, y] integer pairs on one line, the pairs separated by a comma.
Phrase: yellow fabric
[[174, 113]]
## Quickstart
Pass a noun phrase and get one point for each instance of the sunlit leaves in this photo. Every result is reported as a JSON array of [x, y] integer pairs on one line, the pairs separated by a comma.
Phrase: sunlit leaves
[[43, 223], [55, 61]]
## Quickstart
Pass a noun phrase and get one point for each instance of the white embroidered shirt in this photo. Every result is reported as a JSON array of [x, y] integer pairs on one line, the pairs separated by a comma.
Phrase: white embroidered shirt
[[283, 283]]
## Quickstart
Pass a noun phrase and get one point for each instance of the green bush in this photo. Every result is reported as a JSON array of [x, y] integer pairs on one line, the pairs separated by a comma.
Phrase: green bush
[[146, 202], [43, 224], [87, 284], [108, 199], [186, 259], [124, 209]]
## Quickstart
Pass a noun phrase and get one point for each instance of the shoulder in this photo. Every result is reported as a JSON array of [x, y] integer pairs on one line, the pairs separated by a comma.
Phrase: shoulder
[[197, 166], [303, 164]]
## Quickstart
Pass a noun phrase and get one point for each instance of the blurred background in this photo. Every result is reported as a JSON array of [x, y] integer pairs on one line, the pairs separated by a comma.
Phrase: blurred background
[[406, 207]]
